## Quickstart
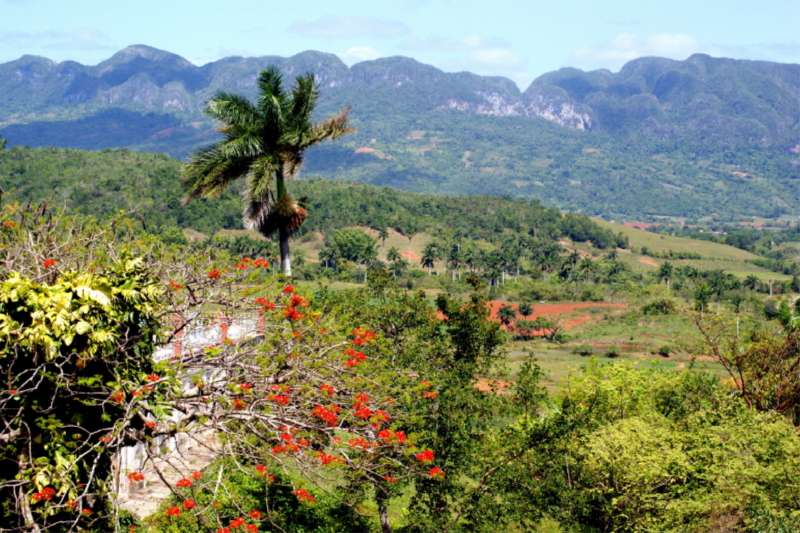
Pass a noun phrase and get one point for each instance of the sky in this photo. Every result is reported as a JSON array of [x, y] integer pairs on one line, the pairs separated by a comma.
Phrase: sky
[[517, 39]]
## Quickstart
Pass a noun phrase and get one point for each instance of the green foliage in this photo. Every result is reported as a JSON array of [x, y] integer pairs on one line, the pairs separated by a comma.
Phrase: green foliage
[[642, 449], [613, 351], [274, 500], [73, 344], [660, 307]]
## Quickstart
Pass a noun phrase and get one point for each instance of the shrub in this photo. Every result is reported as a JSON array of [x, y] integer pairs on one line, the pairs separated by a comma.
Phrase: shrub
[[660, 307], [592, 294], [613, 351], [584, 350], [664, 350]]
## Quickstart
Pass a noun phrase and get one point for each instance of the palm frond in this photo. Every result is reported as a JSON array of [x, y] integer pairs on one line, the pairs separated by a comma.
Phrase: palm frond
[[273, 103], [305, 94], [330, 129], [231, 109], [208, 172], [258, 196]]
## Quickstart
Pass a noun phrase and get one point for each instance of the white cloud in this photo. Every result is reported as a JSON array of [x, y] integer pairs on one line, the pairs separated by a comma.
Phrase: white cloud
[[356, 54], [79, 38], [627, 46], [497, 57], [447, 44], [333, 27]]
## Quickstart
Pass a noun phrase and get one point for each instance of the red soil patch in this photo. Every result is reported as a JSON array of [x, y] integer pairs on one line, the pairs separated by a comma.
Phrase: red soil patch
[[552, 310], [365, 150], [414, 257], [754, 224], [648, 262], [493, 385]]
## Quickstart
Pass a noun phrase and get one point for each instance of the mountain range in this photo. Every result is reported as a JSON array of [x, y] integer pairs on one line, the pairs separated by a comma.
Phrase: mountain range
[[660, 137]]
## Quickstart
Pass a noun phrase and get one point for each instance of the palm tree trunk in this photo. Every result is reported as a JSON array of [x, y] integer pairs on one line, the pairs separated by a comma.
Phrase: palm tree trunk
[[286, 260]]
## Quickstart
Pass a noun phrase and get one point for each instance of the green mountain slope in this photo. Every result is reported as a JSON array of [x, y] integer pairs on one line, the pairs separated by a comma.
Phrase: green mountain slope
[[101, 183], [661, 137]]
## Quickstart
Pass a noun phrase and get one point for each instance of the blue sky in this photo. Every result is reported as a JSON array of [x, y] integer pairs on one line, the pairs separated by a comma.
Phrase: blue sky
[[513, 38]]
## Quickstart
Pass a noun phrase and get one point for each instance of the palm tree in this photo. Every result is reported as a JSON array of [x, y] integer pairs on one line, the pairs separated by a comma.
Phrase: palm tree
[[393, 256], [588, 266], [383, 234], [525, 310], [263, 143], [410, 230], [328, 254], [750, 282], [665, 272], [367, 256], [428, 257], [506, 315]]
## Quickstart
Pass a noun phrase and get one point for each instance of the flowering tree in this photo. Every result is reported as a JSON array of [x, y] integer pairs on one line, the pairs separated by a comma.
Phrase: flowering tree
[[303, 398]]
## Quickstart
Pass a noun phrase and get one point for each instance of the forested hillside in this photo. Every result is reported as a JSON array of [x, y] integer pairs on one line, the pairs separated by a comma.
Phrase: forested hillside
[[102, 183], [661, 137]]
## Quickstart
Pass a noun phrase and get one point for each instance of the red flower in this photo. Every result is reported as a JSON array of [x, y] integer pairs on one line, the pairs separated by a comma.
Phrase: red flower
[[251, 528], [239, 404], [72, 505], [278, 449], [364, 412], [239, 522], [118, 396], [152, 377], [87, 511], [46, 494], [429, 395], [10, 224], [425, 384], [224, 530], [244, 386], [362, 399], [173, 511], [385, 435], [135, 477], [214, 274], [283, 400], [49, 262], [327, 388], [436, 472], [255, 514], [150, 424], [401, 436], [426, 455], [197, 475], [288, 289], [303, 495], [325, 414], [189, 504], [261, 301], [183, 483], [174, 285], [302, 442], [390, 479]]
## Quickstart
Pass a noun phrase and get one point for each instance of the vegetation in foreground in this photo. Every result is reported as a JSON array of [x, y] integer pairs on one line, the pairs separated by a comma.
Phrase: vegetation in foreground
[[401, 372]]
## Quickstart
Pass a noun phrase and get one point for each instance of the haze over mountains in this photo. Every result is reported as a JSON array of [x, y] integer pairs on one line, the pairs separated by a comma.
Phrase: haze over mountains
[[660, 137]]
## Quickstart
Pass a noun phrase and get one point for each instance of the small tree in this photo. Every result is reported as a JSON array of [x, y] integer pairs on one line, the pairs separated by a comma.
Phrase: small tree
[[506, 315], [525, 310]]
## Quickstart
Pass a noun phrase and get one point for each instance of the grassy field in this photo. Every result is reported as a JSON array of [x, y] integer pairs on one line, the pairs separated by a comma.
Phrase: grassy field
[[715, 256], [663, 243]]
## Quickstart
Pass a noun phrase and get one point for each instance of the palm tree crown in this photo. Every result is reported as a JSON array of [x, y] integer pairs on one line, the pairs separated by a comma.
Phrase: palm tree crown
[[263, 143]]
